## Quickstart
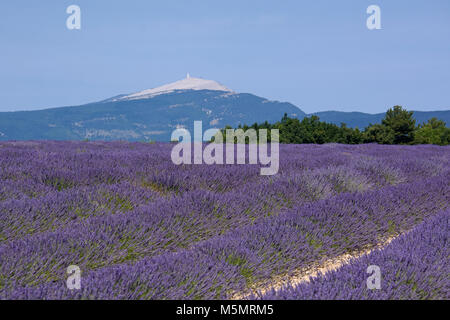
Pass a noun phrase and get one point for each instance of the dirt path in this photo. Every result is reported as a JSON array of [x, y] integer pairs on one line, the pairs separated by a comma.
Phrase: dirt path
[[304, 275]]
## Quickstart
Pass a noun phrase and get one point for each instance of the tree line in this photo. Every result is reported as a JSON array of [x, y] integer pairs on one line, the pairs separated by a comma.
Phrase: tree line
[[397, 127]]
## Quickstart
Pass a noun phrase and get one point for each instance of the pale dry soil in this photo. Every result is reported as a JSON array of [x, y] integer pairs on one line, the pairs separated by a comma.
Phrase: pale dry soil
[[306, 274]]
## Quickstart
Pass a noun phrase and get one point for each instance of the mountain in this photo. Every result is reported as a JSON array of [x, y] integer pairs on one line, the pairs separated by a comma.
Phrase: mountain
[[153, 114], [186, 84], [146, 115]]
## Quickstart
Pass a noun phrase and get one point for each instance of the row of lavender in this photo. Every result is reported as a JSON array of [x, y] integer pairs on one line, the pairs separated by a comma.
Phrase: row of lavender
[[32, 169], [140, 227], [413, 266]]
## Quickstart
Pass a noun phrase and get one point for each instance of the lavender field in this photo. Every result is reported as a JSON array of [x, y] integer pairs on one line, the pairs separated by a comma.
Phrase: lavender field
[[140, 227]]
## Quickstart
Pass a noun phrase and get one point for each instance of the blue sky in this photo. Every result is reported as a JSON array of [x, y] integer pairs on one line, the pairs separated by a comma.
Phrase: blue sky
[[318, 54]]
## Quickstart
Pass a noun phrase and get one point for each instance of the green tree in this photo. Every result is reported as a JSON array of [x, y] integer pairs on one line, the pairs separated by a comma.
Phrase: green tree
[[432, 132], [348, 135], [378, 133], [401, 123]]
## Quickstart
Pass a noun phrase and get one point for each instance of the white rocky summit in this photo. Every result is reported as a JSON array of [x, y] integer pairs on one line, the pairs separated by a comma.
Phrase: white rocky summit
[[189, 83]]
